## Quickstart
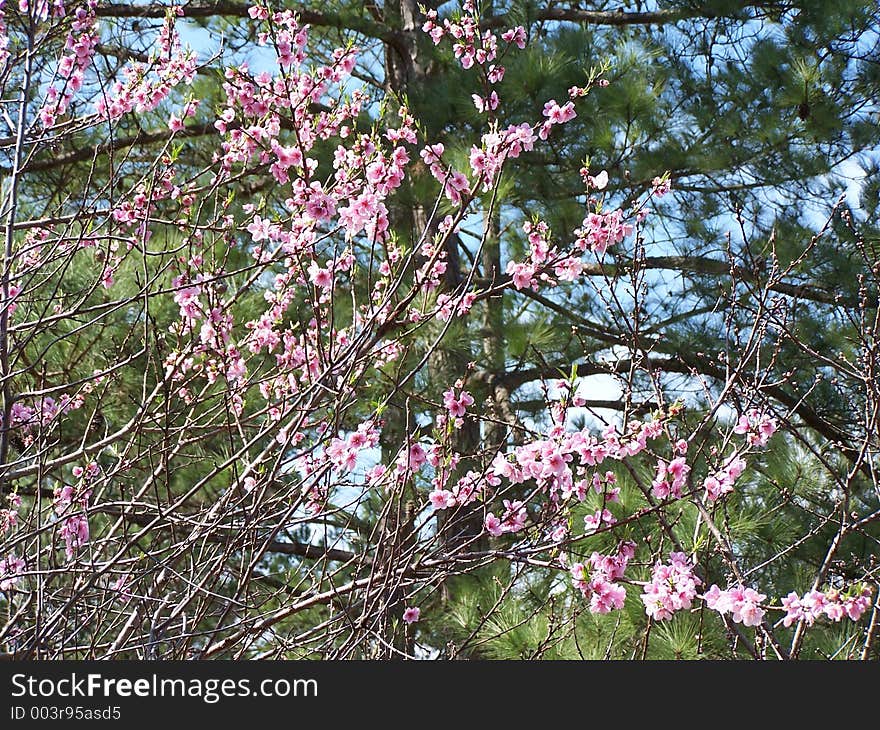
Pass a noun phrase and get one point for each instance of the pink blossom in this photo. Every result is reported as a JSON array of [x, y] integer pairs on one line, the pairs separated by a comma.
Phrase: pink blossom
[[794, 611], [606, 596], [659, 186], [672, 588], [75, 533], [412, 458], [8, 520], [834, 611], [600, 517], [258, 12], [722, 481], [519, 138], [515, 35], [259, 228], [493, 525], [432, 154], [411, 614], [596, 579], [833, 603], [375, 474], [559, 114], [442, 499], [342, 455], [11, 568], [457, 405], [320, 277], [734, 467], [742, 603], [522, 274], [859, 602], [514, 517], [670, 478], [598, 231], [483, 104], [456, 184], [757, 427]]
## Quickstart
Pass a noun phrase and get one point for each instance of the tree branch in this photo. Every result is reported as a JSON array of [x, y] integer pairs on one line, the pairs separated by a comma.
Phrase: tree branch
[[230, 8]]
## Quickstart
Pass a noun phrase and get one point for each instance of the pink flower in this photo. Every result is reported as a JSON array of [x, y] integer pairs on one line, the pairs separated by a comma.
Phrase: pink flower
[[832, 603], [259, 228], [559, 114], [678, 470], [522, 274], [413, 458], [598, 231], [484, 104], [457, 405], [747, 610], [258, 13], [716, 599], [432, 153], [741, 603], [857, 604], [456, 184], [11, 568], [660, 187], [286, 156], [442, 499], [734, 467], [341, 455], [672, 587], [606, 596], [320, 277], [520, 138], [596, 581], [493, 525], [411, 614], [75, 533], [722, 481], [793, 609], [813, 603], [766, 428], [595, 521], [514, 517], [515, 35], [834, 611], [580, 577], [8, 520], [757, 427], [670, 478]]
